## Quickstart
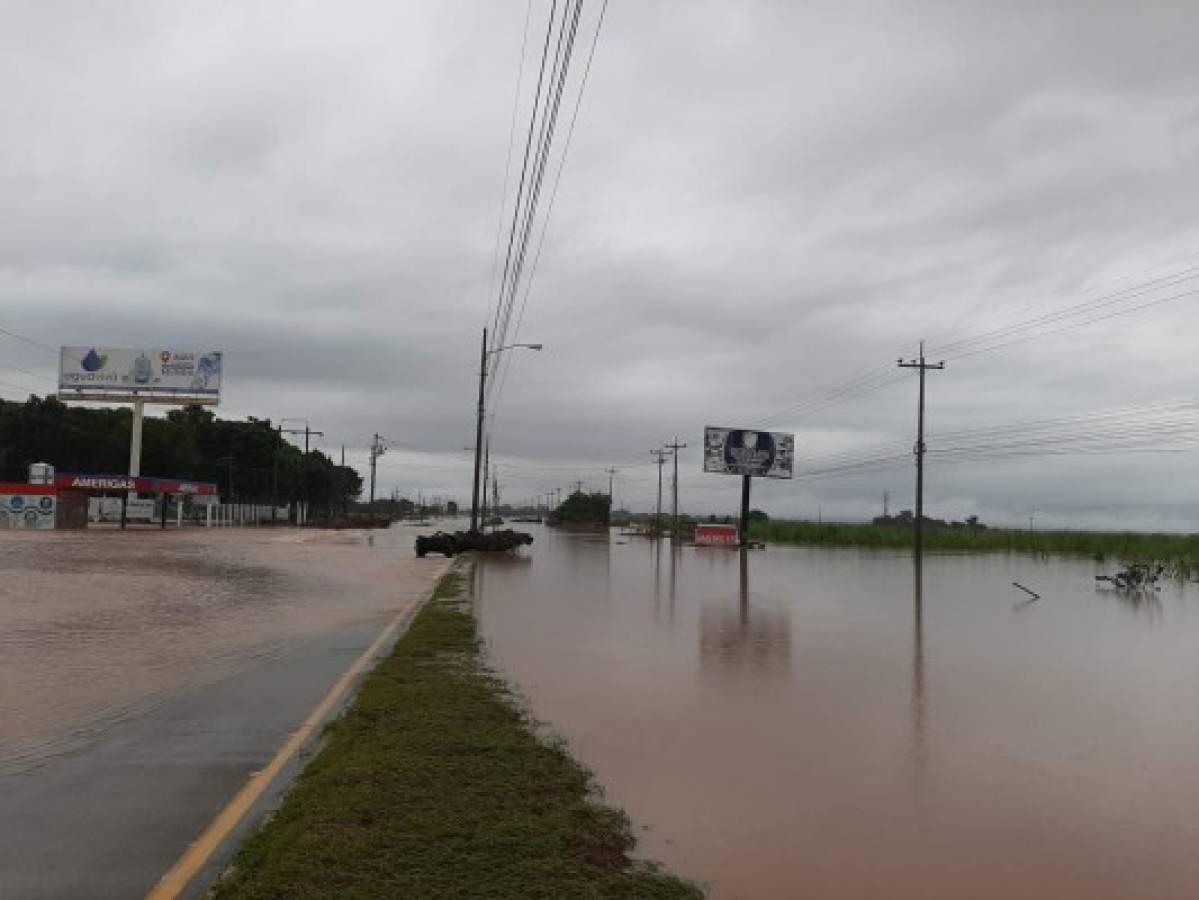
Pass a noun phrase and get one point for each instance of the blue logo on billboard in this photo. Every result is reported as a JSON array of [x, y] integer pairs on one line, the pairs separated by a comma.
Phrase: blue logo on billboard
[[93, 361], [46, 504], [16, 503]]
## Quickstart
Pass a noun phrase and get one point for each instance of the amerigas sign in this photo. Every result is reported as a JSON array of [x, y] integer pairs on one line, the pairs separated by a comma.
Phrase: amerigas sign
[[145, 374]]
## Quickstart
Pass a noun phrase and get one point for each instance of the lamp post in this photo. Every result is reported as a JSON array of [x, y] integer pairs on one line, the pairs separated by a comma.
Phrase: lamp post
[[484, 353]]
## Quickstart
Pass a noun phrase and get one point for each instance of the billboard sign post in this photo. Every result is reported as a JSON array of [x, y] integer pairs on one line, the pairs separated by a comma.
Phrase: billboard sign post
[[748, 453]]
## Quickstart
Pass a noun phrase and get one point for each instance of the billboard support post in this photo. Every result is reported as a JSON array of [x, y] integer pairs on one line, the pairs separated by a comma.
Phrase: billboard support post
[[135, 439], [744, 529]]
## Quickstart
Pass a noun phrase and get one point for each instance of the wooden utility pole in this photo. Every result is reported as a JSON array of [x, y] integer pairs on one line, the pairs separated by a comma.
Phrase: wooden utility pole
[[674, 451], [486, 475], [661, 456], [923, 366], [341, 482], [378, 448], [474, 499]]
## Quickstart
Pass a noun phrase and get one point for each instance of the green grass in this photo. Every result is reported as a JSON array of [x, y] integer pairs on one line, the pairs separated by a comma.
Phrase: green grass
[[1181, 550], [434, 785]]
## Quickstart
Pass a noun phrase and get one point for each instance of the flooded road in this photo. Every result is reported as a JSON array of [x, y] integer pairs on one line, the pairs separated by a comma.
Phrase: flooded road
[[805, 726], [144, 675]]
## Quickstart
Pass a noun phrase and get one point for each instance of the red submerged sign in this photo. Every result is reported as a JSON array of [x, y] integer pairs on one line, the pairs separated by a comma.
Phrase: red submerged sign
[[716, 535]]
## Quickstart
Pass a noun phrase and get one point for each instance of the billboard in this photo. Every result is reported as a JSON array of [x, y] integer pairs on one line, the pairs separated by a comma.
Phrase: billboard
[[105, 373], [740, 451]]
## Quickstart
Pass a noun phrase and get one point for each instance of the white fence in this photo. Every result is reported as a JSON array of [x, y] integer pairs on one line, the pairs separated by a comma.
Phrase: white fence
[[227, 515]]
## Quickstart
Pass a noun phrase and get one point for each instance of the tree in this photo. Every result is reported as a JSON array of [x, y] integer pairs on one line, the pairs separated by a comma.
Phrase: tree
[[246, 459], [584, 508]]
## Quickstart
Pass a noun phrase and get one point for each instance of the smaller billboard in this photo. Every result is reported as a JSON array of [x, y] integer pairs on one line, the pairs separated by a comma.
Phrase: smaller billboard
[[741, 451], [151, 374], [22, 507]]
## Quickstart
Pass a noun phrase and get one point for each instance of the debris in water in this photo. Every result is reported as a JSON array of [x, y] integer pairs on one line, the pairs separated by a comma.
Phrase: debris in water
[[1031, 593]]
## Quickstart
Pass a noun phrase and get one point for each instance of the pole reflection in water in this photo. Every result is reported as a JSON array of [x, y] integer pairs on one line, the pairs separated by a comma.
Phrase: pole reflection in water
[[755, 640], [673, 577], [919, 699], [743, 584]]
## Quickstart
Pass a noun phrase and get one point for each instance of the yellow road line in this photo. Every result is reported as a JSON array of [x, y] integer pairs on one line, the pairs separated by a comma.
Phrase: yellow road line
[[174, 881]]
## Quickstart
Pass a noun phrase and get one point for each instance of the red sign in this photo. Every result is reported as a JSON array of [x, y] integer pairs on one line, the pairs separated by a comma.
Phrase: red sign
[[131, 483], [27, 490], [716, 535]]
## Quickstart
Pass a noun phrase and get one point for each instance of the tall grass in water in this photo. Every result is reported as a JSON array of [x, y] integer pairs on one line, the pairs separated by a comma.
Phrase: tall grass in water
[[1179, 549]]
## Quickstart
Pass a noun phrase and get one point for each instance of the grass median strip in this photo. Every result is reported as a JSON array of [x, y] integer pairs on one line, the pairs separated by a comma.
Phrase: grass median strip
[[434, 784]]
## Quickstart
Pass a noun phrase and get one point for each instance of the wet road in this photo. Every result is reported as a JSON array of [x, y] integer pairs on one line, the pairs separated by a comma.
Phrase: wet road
[[144, 676], [802, 726]]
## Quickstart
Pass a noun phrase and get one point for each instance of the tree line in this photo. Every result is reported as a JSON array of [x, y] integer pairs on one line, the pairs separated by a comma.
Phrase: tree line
[[249, 461]]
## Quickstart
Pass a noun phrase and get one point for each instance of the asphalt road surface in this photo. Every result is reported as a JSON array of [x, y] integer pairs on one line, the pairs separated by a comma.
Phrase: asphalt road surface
[[145, 676]]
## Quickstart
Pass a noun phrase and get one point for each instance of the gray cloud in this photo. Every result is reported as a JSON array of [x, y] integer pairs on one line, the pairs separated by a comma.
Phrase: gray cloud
[[761, 200]]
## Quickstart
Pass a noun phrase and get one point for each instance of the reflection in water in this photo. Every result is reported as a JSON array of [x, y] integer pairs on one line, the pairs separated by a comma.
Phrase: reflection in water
[[919, 700], [1145, 601], [755, 640], [673, 577]]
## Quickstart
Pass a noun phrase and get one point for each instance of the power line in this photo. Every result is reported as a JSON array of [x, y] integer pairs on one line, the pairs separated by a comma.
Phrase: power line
[[554, 193], [520, 73], [524, 167]]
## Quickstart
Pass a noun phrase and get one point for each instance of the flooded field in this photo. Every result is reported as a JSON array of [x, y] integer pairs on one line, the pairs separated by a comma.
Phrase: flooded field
[[99, 627], [805, 725]]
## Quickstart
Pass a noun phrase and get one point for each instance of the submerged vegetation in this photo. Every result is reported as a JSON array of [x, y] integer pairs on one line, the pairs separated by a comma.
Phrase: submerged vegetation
[[434, 785], [1181, 550]]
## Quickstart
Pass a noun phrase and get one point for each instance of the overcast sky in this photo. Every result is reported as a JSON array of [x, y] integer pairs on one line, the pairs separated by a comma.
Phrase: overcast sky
[[761, 201]]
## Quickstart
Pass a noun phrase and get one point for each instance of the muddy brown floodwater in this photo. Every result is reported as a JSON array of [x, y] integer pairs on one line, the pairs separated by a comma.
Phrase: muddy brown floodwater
[[98, 627], [805, 726]]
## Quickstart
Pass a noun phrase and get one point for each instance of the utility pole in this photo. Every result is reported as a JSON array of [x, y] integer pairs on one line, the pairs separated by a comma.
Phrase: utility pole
[[345, 494], [308, 470], [486, 475], [674, 451], [579, 486], [474, 497], [611, 474], [661, 456], [279, 440], [275, 474], [307, 432], [378, 448], [886, 504], [920, 448]]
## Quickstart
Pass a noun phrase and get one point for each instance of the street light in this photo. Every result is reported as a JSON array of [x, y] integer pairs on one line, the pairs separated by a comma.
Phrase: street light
[[484, 353]]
